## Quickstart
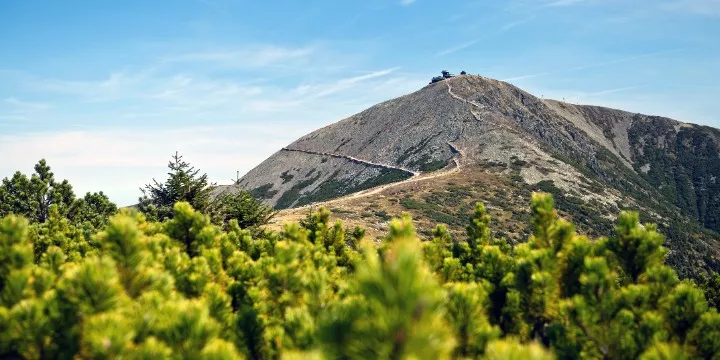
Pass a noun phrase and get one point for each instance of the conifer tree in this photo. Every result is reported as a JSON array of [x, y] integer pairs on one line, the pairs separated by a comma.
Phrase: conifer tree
[[242, 207], [94, 209], [39, 196], [184, 183], [33, 197], [394, 309]]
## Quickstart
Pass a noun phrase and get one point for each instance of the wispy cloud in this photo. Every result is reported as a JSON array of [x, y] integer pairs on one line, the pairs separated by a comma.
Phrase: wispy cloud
[[601, 97], [528, 76], [326, 89], [25, 105], [215, 83], [615, 90], [458, 47], [156, 93], [369, 76], [407, 2], [113, 86], [513, 24], [702, 7], [162, 108], [193, 93], [13, 118], [468, 44], [119, 161], [625, 59], [248, 57], [15, 110], [557, 3], [593, 65], [178, 89]]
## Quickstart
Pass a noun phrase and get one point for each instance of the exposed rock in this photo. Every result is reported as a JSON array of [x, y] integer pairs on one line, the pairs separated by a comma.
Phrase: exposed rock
[[607, 159]]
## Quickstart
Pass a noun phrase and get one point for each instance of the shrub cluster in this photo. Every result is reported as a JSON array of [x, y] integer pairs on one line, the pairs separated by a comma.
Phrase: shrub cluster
[[186, 288]]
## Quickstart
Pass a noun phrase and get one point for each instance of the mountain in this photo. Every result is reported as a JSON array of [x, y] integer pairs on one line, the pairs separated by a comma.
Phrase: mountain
[[470, 138]]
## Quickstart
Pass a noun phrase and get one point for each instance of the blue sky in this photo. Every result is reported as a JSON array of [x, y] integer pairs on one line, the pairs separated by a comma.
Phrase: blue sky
[[107, 91]]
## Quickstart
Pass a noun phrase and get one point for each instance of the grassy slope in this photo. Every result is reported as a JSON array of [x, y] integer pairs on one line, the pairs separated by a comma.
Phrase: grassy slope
[[450, 200], [440, 201]]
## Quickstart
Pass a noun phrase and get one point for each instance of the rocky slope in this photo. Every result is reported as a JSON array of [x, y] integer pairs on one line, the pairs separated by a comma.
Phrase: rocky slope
[[597, 160], [487, 119]]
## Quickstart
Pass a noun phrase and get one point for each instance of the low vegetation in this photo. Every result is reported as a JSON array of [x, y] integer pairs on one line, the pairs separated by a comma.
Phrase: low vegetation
[[192, 285], [40, 197], [333, 188], [185, 183]]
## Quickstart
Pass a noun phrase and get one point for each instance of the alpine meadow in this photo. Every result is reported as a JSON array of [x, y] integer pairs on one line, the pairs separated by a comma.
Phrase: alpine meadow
[[360, 179]]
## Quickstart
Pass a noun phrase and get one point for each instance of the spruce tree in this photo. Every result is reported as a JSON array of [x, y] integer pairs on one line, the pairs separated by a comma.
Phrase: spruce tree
[[184, 183], [243, 208]]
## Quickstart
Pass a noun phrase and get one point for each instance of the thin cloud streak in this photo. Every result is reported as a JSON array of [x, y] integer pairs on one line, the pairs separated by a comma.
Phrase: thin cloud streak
[[371, 75], [250, 57], [19, 111], [593, 65], [342, 84], [701, 7], [457, 48], [26, 105], [468, 44], [14, 119], [560, 3], [513, 24], [623, 60], [527, 76], [612, 91], [598, 97]]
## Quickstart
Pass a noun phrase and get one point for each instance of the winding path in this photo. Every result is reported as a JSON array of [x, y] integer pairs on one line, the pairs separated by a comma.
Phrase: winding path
[[481, 107], [416, 176], [457, 97], [356, 160]]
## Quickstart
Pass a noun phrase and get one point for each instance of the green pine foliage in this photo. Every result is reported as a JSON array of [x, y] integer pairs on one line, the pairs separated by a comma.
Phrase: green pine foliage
[[186, 184], [187, 288], [38, 196], [710, 284], [247, 211], [60, 222]]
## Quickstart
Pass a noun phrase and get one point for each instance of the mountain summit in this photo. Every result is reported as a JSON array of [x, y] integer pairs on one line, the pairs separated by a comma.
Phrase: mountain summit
[[602, 160], [480, 118]]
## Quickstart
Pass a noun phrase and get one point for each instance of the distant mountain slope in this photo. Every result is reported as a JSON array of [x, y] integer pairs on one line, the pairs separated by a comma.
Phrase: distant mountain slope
[[488, 119], [682, 162], [602, 160]]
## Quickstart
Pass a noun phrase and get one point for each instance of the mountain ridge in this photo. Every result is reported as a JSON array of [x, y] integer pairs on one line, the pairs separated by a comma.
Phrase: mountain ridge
[[603, 159], [439, 156]]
